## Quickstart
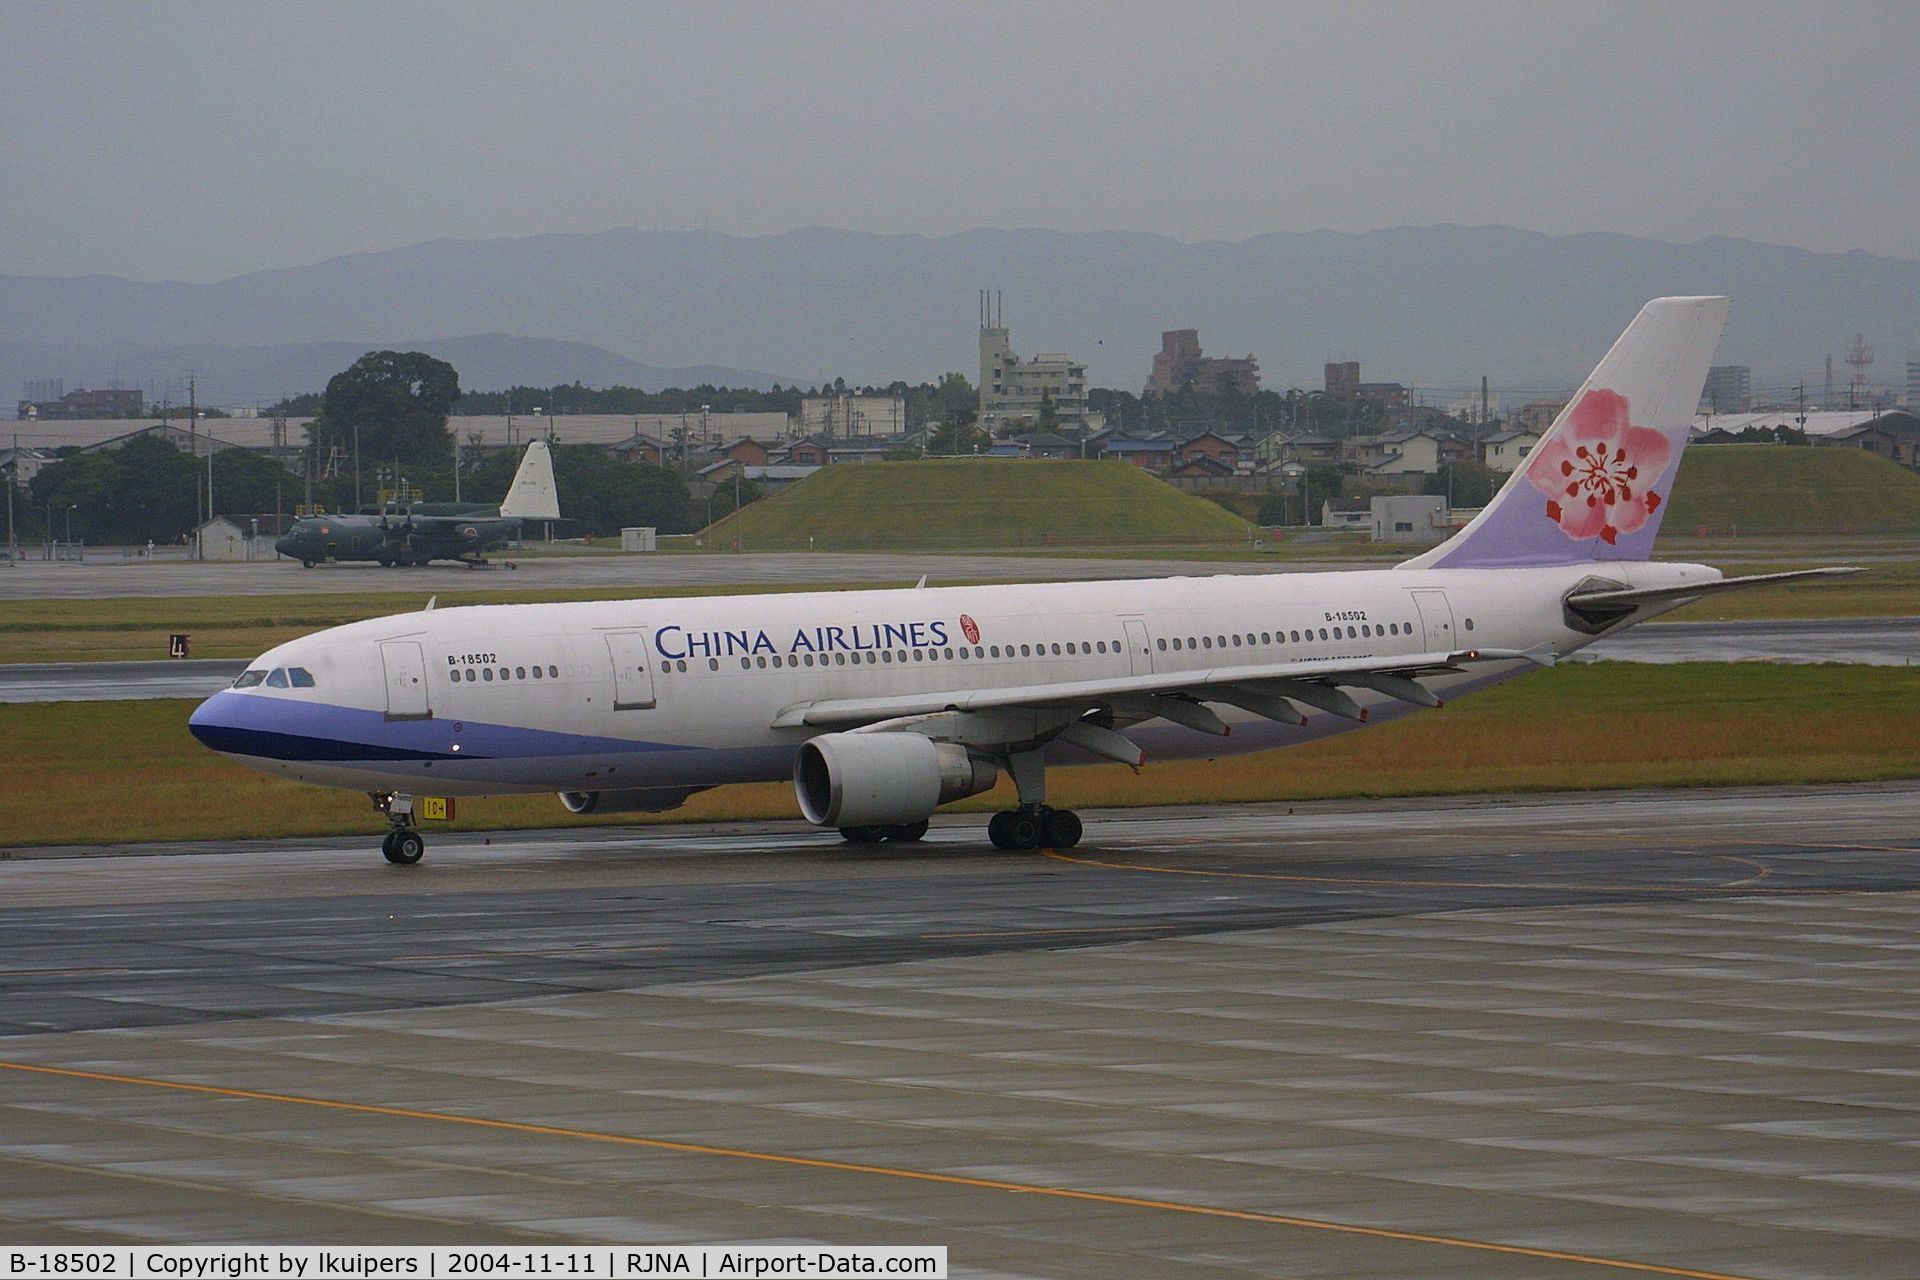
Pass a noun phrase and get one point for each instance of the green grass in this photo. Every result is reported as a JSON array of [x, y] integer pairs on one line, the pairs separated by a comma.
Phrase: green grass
[[976, 503], [96, 772], [1762, 489]]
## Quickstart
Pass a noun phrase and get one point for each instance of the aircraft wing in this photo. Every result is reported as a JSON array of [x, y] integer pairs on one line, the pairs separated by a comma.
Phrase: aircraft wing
[[1021, 713]]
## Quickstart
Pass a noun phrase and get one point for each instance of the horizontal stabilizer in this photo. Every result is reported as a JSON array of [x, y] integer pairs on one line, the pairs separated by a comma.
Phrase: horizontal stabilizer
[[1630, 596]]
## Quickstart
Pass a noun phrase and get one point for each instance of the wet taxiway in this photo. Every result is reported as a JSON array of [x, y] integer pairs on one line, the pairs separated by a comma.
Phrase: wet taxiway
[[1635, 1034]]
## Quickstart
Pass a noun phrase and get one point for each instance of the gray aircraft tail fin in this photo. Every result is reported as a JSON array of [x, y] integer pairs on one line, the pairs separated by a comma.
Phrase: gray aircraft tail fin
[[532, 495]]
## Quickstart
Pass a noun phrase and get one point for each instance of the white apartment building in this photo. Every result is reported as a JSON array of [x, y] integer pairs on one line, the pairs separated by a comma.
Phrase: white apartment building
[[1012, 389]]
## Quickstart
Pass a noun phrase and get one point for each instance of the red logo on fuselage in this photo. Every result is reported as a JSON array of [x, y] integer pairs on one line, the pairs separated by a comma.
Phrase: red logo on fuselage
[[972, 629]]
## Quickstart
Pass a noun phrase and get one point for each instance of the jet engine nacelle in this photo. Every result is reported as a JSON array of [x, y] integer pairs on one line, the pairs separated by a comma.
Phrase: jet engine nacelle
[[874, 779], [639, 800]]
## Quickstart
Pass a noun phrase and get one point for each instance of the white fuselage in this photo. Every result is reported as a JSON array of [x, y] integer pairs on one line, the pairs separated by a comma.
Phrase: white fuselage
[[685, 692]]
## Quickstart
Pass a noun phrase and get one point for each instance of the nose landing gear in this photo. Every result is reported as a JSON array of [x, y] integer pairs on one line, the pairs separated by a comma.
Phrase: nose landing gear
[[404, 845]]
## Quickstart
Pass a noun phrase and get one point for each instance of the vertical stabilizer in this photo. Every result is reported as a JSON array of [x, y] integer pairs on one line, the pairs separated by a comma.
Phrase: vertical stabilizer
[[1596, 487], [532, 495]]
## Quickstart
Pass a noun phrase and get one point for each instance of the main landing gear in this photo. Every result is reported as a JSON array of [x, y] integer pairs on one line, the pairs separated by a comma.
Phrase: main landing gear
[[1034, 827], [1035, 824], [404, 844]]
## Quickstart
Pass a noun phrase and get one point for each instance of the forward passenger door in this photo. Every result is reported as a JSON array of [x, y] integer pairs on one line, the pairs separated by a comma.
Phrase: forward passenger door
[[632, 658]]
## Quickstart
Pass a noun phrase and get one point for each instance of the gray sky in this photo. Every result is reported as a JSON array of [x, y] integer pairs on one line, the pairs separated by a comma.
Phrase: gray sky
[[198, 140]]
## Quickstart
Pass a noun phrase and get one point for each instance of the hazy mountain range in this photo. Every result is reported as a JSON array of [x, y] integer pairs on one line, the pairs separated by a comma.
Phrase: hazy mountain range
[[1433, 306]]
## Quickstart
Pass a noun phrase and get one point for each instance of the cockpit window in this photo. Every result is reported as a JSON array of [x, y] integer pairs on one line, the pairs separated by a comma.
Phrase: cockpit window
[[278, 680], [301, 677], [248, 679]]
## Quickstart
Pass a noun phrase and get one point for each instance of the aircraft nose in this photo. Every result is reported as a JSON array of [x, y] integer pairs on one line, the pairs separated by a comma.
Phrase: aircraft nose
[[284, 544], [223, 722]]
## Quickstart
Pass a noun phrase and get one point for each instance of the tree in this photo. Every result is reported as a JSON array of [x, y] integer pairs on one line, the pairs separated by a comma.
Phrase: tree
[[248, 483], [1049, 411], [1466, 484], [393, 405], [142, 490]]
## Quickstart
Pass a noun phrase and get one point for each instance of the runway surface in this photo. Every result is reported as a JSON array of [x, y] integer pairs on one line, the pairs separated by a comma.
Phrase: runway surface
[[1629, 1034], [1868, 641]]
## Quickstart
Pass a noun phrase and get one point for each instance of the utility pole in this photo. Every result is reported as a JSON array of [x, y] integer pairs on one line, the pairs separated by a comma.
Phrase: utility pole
[[1800, 394], [193, 447], [13, 543], [1485, 417]]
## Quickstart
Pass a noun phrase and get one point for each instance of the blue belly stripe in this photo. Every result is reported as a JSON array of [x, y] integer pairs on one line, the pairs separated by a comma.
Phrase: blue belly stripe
[[270, 727]]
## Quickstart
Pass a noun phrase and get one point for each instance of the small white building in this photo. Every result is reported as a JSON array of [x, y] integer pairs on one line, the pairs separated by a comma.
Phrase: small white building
[[222, 539], [1410, 517], [643, 538]]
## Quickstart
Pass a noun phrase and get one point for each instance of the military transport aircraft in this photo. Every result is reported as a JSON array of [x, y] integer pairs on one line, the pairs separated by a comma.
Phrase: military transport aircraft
[[883, 705], [413, 534]]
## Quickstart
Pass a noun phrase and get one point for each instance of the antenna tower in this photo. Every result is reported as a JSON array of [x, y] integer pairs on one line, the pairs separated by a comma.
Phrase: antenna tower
[[1860, 356]]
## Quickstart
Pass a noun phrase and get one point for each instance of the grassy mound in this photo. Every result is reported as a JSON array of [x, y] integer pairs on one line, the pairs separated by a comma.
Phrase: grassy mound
[[1760, 488], [967, 502]]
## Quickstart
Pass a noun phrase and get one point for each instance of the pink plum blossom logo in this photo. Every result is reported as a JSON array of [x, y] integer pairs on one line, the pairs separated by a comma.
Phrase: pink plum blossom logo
[[1598, 469]]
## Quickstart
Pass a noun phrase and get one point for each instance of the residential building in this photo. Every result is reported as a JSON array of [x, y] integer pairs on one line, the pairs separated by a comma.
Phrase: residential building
[[1343, 381], [1151, 453], [85, 404], [1043, 444], [1729, 389], [24, 463], [1014, 390], [1387, 397], [1913, 379], [1406, 453], [846, 415], [1537, 415], [1505, 451], [1209, 444], [1179, 366], [1894, 436]]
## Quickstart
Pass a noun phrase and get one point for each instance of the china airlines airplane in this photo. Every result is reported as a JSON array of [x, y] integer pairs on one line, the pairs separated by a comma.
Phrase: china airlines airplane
[[882, 706]]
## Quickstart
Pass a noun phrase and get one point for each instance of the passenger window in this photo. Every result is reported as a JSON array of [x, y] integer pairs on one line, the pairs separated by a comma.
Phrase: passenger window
[[486, 673], [278, 680], [1056, 650], [1293, 637], [1026, 651], [978, 652], [303, 678], [248, 679], [1469, 625], [1236, 641], [1266, 637], [553, 672], [713, 664], [1206, 642], [536, 673], [949, 655], [519, 673]]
